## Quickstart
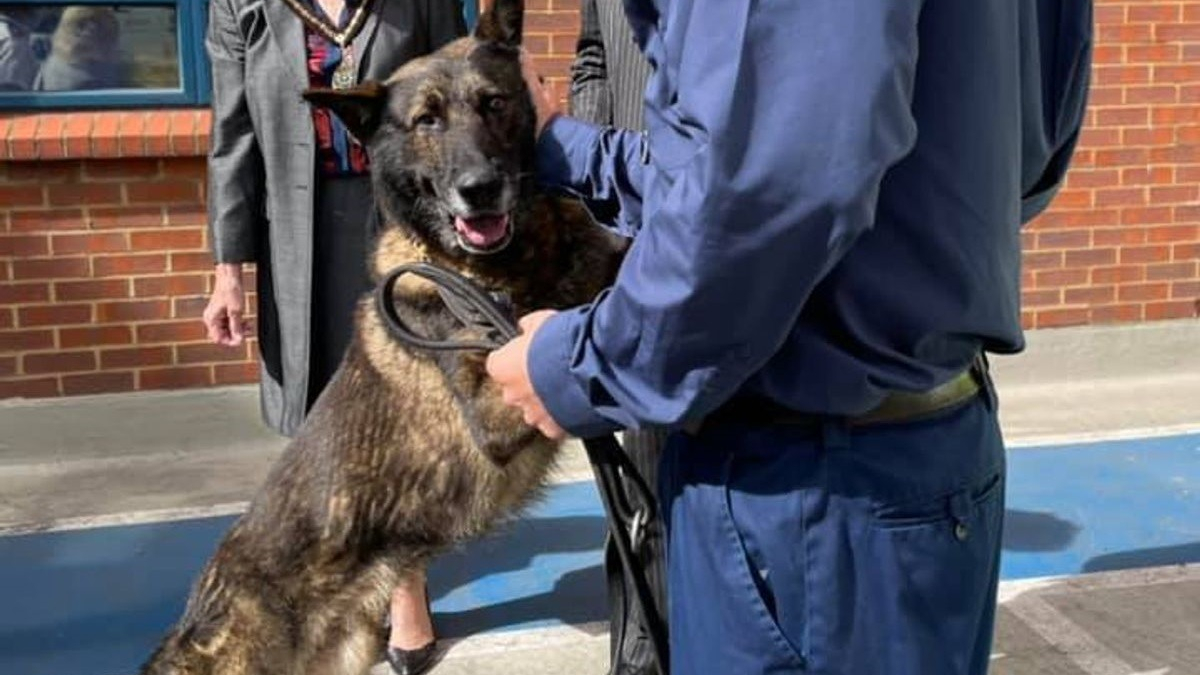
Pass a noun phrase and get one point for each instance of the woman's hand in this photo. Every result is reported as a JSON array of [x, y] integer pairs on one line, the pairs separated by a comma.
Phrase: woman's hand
[[545, 98], [223, 317]]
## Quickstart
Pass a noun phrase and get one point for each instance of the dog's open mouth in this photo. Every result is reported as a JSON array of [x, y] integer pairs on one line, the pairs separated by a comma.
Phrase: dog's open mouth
[[483, 233]]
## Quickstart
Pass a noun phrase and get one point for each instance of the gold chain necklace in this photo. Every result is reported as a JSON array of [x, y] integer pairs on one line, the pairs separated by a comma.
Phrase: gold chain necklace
[[345, 75]]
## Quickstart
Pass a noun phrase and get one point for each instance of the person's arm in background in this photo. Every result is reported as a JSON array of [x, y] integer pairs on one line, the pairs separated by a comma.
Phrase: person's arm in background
[[590, 99], [18, 63], [765, 188], [1052, 129], [235, 178]]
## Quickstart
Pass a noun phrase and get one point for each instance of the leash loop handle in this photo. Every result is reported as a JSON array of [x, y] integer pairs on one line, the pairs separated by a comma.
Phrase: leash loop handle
[[466, 300]]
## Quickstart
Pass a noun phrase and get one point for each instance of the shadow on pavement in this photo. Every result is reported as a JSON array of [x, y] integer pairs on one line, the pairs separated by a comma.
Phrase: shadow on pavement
[[1037, 531], [1146, 557]]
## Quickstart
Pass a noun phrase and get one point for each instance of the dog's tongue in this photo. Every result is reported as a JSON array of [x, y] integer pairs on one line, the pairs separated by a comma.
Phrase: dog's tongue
[[482, 231]]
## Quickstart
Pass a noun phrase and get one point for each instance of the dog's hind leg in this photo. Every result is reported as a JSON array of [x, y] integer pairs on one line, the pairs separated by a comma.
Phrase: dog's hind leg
[[345, 635], [351, 647]]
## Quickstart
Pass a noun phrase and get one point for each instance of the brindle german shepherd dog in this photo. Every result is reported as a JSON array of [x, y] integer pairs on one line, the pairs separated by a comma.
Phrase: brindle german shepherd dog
[[407, 452]]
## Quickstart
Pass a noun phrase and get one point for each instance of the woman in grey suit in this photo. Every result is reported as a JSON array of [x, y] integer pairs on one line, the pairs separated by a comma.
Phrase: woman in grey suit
[[289, 192]]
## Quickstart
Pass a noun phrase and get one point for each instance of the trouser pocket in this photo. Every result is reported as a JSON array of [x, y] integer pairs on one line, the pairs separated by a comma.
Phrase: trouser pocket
[[723, 620], [937, 563], [765, 538]]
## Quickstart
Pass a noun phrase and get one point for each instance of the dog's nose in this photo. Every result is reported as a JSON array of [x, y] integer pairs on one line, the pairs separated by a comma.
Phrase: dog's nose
[[480, 189]]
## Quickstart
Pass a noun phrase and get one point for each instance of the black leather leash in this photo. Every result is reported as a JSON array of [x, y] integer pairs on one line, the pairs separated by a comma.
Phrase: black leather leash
[[474, 306]]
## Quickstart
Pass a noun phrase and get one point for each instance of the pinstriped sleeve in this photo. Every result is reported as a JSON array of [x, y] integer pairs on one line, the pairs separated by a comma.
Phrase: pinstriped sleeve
[[590, 99]]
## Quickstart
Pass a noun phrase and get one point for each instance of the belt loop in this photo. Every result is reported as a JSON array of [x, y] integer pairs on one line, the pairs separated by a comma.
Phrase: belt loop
[[835, 433]]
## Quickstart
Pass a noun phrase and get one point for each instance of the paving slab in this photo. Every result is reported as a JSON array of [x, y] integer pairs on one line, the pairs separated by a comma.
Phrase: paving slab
[[1133, 622]]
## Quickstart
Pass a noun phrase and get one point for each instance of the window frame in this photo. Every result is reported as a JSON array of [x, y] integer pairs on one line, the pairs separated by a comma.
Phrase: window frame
[[191, 16]]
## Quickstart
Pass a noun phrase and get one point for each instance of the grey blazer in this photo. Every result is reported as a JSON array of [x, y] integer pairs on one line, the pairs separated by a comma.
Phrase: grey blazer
[[608, 75], [261, 166]]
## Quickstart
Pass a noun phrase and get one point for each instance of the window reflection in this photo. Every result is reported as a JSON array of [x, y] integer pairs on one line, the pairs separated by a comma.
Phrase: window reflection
[[88, 47]]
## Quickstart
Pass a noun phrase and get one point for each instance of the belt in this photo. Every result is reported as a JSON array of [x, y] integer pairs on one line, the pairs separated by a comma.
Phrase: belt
[[897, 406]]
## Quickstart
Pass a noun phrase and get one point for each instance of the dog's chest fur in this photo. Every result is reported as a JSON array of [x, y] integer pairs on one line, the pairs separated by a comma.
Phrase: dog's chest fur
[[410, 441]]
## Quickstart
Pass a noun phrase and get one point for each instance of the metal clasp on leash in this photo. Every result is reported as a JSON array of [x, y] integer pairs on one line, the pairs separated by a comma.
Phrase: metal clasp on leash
[[637, 529]]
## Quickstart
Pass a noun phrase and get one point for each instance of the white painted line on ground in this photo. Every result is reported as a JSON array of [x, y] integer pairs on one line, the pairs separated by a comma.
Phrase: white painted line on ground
[[532, 638], [1013, 589], [1137, 577], [1025, 441], [125, 518]]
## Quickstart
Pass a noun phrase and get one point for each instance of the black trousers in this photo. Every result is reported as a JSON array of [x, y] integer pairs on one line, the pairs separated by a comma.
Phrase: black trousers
[[628, 638], [342, 238]]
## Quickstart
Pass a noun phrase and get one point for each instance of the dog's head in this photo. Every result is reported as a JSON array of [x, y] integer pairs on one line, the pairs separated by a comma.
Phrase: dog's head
[[86, 33], [451, 138]]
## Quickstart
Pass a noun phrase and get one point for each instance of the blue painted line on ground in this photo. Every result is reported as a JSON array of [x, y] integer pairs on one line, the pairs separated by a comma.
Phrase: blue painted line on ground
[[94, 602]]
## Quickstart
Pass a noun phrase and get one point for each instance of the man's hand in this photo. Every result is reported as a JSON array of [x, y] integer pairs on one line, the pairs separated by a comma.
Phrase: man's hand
[[508, 366], [545, 98], [226, 306]]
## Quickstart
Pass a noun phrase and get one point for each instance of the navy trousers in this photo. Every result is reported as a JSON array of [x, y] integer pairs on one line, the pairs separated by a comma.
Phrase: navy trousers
[[838, 551]]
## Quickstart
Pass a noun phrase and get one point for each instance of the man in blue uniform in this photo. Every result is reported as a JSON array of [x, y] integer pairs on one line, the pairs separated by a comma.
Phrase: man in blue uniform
[[825, 215]]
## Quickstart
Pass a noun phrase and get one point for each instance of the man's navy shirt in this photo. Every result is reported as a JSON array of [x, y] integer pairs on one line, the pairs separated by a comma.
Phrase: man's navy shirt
[[828, 208]]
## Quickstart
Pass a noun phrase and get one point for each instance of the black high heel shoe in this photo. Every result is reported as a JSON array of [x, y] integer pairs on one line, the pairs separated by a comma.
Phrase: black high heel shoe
[[414, 661]]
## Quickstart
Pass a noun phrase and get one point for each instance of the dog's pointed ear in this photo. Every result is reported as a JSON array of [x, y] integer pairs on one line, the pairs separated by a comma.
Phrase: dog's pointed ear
[[502, 23], [360, 107]]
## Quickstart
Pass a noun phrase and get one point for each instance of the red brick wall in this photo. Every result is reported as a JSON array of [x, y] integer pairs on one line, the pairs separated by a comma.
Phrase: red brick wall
[[1122, 241], [551, 27], [103, 269]]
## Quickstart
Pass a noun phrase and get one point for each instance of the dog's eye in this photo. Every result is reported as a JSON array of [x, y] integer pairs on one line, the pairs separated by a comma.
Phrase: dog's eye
[[495, 104]]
